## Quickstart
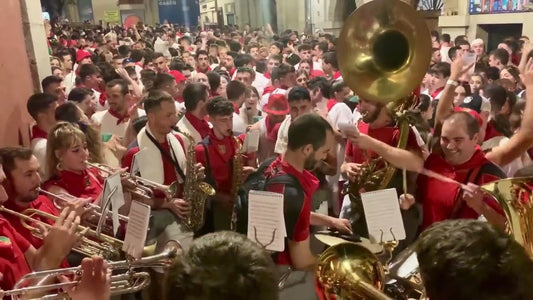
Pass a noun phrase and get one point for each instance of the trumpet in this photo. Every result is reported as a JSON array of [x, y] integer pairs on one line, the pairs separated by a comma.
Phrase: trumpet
[[144, 188], [92, 242], [97, 210], [129, 282]]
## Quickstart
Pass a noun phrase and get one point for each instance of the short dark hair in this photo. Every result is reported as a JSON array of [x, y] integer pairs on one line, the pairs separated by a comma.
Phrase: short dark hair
[[48, 80], [136, 55], [37, 103], [298, 93], [79, 94], [201, 52], [452, 52], [331, 58], [153, 100], [87, 70], [68, 112], [162, 79], [220, 106], [472, 125], [120, 82], [501, 55], [320, 83], [243, 59], [214, 80], [157, 55], [194, 93], [224, 265], [9, 155], [497, 96], [309, 129], [441, 68], [235, 90], [496, 266], [445, 38], [281, 71]]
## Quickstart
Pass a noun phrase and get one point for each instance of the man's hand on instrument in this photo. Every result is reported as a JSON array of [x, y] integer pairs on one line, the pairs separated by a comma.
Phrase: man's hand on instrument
[[473, 197], [406, 201], [247, 170], [361, 140], [351, 170], [179, 207], [63, 235], [80, 206], [200, 169], [342, 225], [95, 281]]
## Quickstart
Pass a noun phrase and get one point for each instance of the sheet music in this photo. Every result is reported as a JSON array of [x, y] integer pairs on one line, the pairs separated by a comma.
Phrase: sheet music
[[137, 230], [382, 213], [141, 161], [251, 142], [265, 218]]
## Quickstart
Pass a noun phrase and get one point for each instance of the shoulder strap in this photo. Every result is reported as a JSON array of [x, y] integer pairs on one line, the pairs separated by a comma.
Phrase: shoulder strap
[[167, 155], [209, 175], [459, 203]]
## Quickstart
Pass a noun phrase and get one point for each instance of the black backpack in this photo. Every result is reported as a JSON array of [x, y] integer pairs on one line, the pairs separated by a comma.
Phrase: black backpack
[[258, 181]]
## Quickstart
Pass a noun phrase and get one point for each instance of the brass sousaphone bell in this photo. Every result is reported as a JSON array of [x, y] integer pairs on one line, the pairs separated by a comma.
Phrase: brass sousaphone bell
[[384, 50]]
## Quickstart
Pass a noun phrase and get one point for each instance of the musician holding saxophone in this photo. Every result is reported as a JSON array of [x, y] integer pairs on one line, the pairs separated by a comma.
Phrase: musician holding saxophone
[[19, 257]]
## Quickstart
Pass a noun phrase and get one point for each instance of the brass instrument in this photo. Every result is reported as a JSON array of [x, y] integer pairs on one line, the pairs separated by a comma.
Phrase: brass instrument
[[195, 190], [350, 271], [144, 188], [129, 282], [92, 243], [236, 181], [515, 196]]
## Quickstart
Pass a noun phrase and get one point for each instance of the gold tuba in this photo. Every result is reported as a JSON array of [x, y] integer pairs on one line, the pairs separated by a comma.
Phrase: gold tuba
[[350, 271], [195, 190], [383, 52], [515, 196]]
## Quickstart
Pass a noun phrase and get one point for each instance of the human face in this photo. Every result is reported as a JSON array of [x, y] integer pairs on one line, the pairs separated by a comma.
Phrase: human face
[[74, 158], [436, 57], [478, 49], [202, 78], [302, 80], [88, 105], [94, 81], [305, 66], [25, 179], [327, 68], [305, 54], [229, 63], [251, 101], [314, 156], [369, 110], [244, 77], [459, 95], [59, 90], [465, 49], [222, 125], [505, 74], [222, 53], [67, 62], [438, 80], [160, 64], [115, 99], [86, 61], [58, 73], [342, 95], [187, 74], [213, 51], [3, 194], [163, 119], [494, 62], [274, 50], [476, 83], [272, 63], [55, 63], [117, 63], [299, 108], [254, 52], [456, 145], [203, 62]]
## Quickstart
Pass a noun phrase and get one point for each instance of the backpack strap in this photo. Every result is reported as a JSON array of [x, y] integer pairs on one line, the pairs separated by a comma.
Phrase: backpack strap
[[208, 174], [459, 202]]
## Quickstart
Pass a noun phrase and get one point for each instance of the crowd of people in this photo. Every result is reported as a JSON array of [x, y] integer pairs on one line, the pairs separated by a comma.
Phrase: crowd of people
[[174, 94]]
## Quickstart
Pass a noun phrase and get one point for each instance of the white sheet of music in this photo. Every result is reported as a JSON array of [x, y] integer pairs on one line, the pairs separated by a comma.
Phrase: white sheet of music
[[382, 214], [251, 141], [117, 198], [137, 230], [266, 222]]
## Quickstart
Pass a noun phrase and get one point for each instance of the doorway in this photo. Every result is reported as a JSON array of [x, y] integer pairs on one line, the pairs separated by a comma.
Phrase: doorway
[[498, 32]]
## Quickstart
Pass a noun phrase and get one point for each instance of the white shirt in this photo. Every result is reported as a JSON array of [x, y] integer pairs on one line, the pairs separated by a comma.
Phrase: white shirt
[[108, 122], [238, 124], [260, 82], [38, 148], [283, 136], [161, 46]]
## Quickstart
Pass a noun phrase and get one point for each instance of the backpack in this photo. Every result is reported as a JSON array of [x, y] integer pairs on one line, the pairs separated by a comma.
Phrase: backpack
[[258, 181]]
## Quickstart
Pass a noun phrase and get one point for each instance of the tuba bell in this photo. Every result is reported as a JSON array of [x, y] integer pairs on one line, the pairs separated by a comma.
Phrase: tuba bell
[[515, 196]]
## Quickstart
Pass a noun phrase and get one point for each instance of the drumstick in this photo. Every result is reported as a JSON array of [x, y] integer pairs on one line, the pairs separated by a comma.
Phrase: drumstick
[[443, 178]]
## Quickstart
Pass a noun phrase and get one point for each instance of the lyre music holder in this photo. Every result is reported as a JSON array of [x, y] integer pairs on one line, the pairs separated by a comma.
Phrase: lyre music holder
[[269, 243]]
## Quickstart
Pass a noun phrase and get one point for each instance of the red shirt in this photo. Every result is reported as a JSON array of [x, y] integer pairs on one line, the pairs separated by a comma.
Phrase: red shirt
[[88, 184], [436, 93], [438, 198], [37, 132], [297, 211], [13, 263], [221, 153], [169, 171], [337, 75], [491, 132], [330, 104], [200, 125], [389, 135]]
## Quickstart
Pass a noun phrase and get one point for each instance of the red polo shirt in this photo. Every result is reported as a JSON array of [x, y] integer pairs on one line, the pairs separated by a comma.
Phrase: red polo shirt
[[389, 135], [13, 263], [438, 198], [200, 125], [88, 184], [37, 132], [168, 168], [296, 205], [221, 153]]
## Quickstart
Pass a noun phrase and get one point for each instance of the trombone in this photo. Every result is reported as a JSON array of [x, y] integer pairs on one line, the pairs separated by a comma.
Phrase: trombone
[[129, 282], [92, 243], [144, 188], [97, 210]]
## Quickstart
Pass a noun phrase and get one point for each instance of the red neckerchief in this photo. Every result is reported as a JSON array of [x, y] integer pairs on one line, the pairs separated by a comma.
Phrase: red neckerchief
[[269, 89], [491, 132], [37, 132], [271, 129], [267, 75], [436, 93], [336, 75], [179, 99], [120, 118], [330, 104], [103, 98], [237, 109], [139, 64], [232, 71], [200, 125], [308, 181], [79, 185], [205, 71]]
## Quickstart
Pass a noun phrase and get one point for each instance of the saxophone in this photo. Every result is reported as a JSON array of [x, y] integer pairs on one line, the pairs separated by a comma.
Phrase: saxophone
[[195, 190], [236, 181]]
